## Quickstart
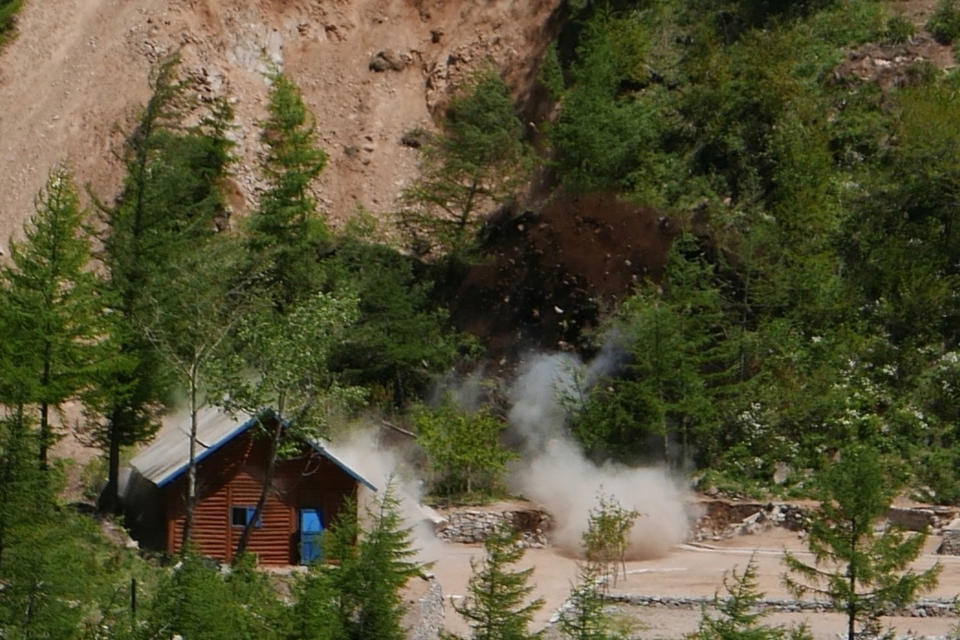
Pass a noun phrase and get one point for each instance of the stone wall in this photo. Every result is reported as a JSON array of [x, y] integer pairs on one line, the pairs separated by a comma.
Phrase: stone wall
[[923, 608], [951, 540], [475, 525], [425, 613]]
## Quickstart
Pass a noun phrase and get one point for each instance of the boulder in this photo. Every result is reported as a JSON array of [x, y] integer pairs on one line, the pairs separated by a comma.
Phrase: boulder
[[388, 60]]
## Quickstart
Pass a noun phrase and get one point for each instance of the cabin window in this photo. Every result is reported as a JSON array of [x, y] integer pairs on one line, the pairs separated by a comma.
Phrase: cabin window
[[240, 516]]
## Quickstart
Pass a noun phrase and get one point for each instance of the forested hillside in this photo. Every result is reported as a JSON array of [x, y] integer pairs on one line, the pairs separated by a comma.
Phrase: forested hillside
[[734, 217], [808, 153]]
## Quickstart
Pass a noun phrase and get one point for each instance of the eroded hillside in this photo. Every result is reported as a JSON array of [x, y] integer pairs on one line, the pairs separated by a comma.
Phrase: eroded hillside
[[78, 70]]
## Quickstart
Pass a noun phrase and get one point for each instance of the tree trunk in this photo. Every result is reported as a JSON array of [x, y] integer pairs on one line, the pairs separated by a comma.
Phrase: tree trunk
[[264, 489], [13, 447], [191, 465], [45, 437], [110, 502], [852, 575]]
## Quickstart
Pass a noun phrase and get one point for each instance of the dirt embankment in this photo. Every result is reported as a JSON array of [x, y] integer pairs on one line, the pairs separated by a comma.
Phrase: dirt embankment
[[552, 274], [71, 82]]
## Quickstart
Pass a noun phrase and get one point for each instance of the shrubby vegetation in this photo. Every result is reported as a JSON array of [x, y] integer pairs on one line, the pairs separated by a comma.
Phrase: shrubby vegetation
[[810, 299], [466, 460]]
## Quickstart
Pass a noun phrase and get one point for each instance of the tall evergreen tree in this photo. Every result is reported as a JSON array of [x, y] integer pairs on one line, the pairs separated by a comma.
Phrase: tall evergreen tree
[[738, 616], [170, 200], [52, 303], [475, 164], [49, 571], [498, 606], [285, 236], [681, 370], [862, 572], [402, 338], [358, 596], [584, 617]]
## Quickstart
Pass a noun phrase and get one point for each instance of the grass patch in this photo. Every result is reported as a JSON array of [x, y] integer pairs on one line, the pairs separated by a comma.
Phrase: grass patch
[[8, 19], [944, 24]]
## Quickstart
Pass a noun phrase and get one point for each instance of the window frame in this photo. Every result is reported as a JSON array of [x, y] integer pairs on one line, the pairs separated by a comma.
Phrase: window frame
[[248, 515]]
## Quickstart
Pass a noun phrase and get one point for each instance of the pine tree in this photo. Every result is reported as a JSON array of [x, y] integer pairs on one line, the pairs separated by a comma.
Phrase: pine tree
[[403, 337], [49, 571], [358, 597], [496, 608], [51, 302], [681, 368], [584, 617], [170, 201], [285, 236], [739, 614], [475, 164], [862, 572]]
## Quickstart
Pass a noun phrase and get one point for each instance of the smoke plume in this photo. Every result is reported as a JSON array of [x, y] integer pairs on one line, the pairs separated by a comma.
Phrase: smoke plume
[[555, 472], [362, 451]]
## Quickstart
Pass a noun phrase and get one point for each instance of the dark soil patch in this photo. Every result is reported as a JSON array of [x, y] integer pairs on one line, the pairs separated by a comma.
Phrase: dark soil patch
[[551, 275]]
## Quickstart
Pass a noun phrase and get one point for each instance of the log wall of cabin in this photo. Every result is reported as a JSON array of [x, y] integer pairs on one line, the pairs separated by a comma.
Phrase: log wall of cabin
[[232, 477]]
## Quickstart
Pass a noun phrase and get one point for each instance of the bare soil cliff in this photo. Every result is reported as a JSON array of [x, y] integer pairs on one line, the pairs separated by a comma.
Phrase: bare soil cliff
[[71, 83]]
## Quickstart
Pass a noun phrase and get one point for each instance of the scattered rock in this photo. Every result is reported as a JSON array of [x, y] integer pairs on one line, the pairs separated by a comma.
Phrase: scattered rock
[[388, 60], [912, 519], [781, 472], [416, 138], [425, 618]]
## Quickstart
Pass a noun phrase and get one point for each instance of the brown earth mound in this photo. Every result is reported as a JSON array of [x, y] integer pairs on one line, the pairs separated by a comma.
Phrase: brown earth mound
[[551, 274]]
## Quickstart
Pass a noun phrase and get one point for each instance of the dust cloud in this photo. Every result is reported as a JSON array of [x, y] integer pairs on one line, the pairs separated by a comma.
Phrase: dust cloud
[[554, 471], [362, 450]]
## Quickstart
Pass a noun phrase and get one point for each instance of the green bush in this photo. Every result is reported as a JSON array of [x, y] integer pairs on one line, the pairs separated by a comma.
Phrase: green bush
[[899, 29], [944, 24], [8, 14], [466, 458]]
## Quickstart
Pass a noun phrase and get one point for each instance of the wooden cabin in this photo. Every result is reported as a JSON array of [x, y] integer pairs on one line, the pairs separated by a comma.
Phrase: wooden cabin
[[307, 493]]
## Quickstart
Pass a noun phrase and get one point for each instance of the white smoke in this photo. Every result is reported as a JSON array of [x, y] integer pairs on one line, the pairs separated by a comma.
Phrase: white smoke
[[555, 472], [362, 451]]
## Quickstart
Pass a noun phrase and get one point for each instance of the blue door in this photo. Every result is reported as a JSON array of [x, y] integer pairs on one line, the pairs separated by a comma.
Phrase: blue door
[[311, 535]]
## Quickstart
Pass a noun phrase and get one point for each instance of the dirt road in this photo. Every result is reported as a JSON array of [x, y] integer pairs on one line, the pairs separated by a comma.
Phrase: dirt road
[[694, 571]]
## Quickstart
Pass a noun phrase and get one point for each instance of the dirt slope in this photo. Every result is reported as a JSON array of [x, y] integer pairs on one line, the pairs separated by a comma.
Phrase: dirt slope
[[79, 69]]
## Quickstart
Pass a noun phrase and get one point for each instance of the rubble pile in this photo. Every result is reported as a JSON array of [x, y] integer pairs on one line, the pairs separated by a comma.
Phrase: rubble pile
[[723, 519]]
